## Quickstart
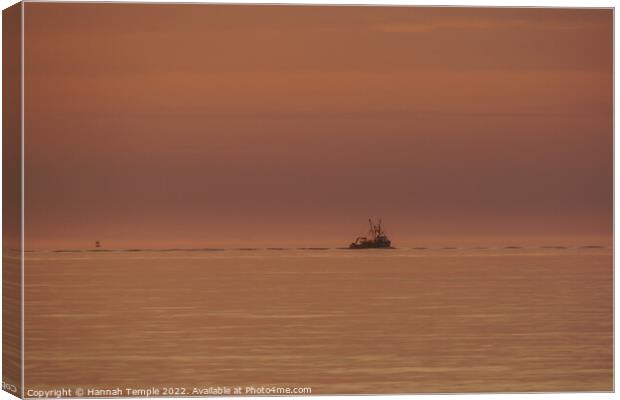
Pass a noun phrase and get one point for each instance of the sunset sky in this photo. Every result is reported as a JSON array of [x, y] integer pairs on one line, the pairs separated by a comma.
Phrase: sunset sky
[[210, 125]]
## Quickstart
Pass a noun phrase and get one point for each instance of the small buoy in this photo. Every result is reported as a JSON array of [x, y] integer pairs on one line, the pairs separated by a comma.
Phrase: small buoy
[[97, 244]]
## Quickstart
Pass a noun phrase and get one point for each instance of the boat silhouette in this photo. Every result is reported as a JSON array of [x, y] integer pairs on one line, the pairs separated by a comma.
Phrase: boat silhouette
[[376, 239]]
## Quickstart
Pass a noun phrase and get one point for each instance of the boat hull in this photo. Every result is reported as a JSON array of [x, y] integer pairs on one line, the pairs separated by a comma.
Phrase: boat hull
[[357, 246]]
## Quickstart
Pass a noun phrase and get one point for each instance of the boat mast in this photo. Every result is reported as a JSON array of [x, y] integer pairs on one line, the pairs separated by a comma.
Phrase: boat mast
[[372, 229]]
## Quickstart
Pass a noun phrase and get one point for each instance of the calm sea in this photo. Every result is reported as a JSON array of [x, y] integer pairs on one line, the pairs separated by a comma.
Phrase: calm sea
[[336, 321]]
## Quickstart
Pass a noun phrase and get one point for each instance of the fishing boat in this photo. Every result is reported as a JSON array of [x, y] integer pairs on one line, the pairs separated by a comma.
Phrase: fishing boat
[[376, 239]]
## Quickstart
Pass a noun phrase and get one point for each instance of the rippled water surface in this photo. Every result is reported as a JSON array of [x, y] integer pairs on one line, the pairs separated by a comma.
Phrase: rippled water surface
[[338, 321]]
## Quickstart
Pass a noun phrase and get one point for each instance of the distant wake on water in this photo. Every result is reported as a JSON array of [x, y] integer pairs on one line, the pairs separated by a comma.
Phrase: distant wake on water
[[252, 249]]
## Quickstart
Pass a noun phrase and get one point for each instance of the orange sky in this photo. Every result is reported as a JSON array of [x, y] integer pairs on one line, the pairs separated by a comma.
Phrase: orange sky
[[209, 125]]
